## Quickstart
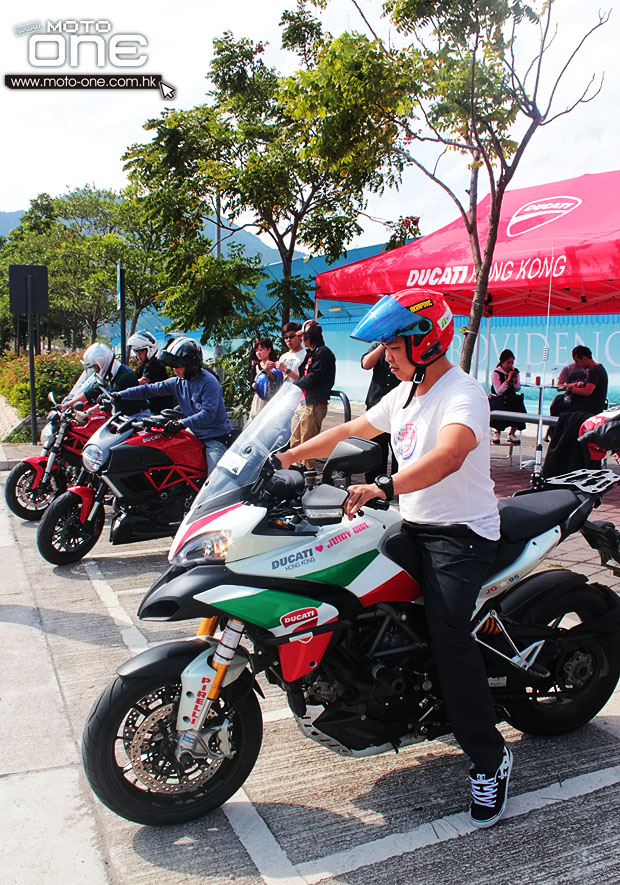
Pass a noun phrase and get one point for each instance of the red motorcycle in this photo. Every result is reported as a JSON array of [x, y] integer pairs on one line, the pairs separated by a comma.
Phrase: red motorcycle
[[35, 482], [153, 473]]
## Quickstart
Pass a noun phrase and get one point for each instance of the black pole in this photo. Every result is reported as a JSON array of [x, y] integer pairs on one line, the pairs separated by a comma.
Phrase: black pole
[[120, 297], [33, 400], [17, 334], [218, 227]]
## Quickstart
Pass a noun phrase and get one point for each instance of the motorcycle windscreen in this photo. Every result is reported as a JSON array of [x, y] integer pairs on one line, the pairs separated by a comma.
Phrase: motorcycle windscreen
[[240, 466], [88, 380]]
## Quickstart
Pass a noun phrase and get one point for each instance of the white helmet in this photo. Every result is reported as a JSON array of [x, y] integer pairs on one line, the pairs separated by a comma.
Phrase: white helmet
[[143, 340], [98, 358]]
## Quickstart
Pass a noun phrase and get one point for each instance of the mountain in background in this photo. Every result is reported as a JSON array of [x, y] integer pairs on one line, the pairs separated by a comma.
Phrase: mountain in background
[[9, 220], [251, 243]]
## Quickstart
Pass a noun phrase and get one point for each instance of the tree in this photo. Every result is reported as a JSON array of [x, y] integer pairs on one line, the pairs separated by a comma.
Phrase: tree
[[80, 236], [245, 156], [459, 85]]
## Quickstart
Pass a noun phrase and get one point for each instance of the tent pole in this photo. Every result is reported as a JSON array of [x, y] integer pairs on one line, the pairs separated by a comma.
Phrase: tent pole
[[488, 372], [477, 355], [538, 481]]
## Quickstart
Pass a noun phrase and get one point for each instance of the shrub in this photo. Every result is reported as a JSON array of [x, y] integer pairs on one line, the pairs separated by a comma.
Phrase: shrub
[[236, 385], [53, 371]]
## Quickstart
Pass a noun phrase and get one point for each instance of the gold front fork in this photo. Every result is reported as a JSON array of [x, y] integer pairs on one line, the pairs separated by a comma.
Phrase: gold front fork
[[208, 626]]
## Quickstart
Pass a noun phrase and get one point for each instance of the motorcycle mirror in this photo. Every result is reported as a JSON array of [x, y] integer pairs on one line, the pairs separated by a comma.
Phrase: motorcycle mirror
[[353, 455], [324, 505], [52, 398]]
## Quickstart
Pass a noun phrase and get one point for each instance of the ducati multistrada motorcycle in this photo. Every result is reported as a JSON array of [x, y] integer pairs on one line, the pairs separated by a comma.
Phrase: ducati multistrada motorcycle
[[152, 474], [334, 615], [35, 482]]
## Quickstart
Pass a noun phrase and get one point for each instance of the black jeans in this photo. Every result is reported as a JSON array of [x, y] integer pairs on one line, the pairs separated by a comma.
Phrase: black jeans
[[455, 563]]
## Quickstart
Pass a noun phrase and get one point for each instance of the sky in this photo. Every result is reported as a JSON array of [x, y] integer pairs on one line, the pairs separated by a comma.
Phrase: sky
[[57, 139]]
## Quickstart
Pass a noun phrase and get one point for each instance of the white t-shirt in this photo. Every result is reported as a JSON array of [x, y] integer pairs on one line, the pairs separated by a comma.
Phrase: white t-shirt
[[465, 497], [293, 360]]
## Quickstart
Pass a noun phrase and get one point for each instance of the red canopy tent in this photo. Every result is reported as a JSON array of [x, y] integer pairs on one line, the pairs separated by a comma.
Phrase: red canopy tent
[[564, 236]]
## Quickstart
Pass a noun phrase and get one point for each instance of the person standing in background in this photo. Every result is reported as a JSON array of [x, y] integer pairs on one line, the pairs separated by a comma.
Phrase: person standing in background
[[263, 359], [317, 374], [291, 360], [383, 380]]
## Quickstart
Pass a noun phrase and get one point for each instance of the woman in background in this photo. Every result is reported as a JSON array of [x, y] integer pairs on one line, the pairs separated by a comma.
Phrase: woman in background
[[505, 396], [263, 359]]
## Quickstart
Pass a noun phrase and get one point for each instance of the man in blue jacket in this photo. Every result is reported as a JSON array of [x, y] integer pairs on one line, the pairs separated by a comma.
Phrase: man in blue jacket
[[199, 395]]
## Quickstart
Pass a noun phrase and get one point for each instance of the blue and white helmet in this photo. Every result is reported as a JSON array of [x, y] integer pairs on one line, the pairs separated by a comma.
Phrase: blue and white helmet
[[266, 385]]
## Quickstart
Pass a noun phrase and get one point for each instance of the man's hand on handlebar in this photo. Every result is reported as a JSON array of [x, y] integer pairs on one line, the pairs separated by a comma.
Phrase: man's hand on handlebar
[[286, 459], [360, 495], [73, 401], [173, 427]]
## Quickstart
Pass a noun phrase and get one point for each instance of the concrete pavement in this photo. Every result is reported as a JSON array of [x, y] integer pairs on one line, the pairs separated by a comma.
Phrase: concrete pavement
[[304, 815]]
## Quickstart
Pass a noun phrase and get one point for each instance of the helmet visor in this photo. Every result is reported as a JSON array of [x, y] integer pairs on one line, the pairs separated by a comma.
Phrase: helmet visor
[[170, 359], [388, 319]]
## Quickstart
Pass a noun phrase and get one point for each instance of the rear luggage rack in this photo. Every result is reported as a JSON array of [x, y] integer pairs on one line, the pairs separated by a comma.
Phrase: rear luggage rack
[[594, 482]]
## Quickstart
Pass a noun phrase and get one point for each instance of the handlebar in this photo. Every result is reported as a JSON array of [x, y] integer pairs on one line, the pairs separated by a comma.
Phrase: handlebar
[[378, 504]]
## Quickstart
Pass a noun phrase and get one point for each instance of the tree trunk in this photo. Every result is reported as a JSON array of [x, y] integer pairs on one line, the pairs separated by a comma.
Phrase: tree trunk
[[482, 281], [133, 324]]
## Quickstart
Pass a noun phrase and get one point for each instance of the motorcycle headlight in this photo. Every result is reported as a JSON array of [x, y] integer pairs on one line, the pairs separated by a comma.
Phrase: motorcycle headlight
[[210, 547], [47, 435], [92, 458]]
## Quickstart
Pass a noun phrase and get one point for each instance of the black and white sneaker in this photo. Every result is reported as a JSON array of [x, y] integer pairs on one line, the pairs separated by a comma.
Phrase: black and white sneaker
[[489, 792]]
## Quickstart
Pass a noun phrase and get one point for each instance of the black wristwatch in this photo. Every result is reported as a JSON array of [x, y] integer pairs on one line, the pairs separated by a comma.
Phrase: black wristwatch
[[386, 485]]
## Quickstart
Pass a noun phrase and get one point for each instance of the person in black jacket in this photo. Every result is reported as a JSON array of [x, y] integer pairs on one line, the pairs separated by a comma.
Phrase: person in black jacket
[[316, 378], [382, 381], [99, 360], [150, 369]]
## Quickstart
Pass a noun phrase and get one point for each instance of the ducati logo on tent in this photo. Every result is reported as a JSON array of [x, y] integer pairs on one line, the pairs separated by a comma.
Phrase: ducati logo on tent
[[537, 213]]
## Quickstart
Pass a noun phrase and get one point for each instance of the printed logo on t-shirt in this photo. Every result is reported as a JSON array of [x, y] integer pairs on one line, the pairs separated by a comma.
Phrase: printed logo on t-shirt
[[406, 440]]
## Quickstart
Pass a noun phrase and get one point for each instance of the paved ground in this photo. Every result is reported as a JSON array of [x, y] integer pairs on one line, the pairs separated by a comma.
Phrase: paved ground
[[304, 815]]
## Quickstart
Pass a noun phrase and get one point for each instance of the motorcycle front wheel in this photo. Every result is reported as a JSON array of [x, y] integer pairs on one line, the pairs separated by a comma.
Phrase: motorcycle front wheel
[[584, 671], [26, 501], [129, 742], [62, 537]]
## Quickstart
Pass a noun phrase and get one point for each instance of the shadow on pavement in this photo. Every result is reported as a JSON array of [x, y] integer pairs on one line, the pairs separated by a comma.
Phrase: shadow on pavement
[[85, 627]]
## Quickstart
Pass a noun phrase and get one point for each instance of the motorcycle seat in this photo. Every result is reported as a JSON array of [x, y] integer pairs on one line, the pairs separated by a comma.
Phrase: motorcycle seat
[[530, 515]]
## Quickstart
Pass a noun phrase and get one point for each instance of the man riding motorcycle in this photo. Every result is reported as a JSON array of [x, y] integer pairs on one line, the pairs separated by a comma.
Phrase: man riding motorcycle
[[99, 360], [439, 424], [198, 392]]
